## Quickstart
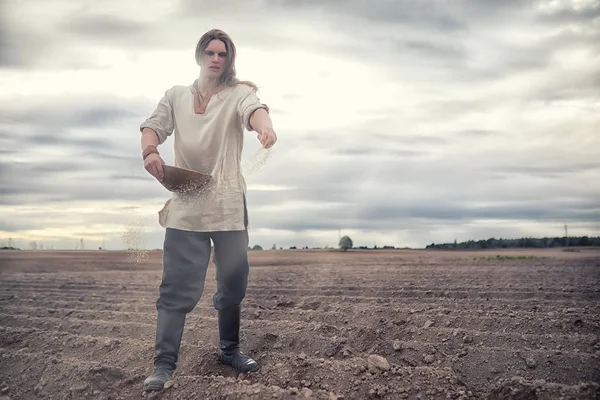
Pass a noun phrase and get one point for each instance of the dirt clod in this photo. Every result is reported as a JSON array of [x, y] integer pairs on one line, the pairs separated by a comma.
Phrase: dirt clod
[[378, 362]]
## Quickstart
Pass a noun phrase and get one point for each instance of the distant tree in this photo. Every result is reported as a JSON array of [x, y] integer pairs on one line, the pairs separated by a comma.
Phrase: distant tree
[[274, 247], [526, 242], [346, 243], [257, 247]]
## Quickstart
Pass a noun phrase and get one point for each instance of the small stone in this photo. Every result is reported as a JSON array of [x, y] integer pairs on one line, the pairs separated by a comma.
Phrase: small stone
[[429, 359], [428, 323], [397, 345], [378, 362], [302, 356], [531, 362]]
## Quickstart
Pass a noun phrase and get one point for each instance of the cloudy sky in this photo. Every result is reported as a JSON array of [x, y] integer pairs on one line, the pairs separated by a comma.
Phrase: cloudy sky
[[400, 122]]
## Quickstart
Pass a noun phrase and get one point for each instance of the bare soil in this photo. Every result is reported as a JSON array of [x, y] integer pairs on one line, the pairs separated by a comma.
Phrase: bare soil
[[326, 325]]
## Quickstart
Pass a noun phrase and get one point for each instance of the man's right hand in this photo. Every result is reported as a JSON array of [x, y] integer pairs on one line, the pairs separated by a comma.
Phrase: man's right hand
[[153, 164]]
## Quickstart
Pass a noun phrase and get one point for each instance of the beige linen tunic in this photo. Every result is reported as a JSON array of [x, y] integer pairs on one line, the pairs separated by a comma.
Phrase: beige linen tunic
[[211, 143]]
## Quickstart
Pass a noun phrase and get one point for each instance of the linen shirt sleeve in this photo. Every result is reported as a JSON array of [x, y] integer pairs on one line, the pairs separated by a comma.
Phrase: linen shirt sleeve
[[161, 120], [249, 103]]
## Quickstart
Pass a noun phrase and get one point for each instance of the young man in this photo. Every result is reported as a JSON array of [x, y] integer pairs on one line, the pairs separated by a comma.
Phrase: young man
[[208, 118]]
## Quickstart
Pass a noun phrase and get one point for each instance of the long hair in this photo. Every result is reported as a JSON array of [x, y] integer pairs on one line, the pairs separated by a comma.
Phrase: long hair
[[228, 77]]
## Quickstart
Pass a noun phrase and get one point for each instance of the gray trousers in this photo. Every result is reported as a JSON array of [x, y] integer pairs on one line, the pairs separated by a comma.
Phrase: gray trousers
[[185, 261]]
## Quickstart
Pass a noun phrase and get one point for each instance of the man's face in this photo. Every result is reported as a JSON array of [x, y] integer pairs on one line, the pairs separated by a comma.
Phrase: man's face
[[214, 59]]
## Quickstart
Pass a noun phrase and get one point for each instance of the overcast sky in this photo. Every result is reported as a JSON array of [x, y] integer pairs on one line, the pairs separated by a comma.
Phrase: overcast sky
[[400, 122]]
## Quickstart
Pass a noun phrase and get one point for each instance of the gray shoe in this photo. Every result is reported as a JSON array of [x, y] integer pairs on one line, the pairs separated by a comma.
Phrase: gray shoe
[[229, 343], [156, 382], [230, 354], [169, 330]]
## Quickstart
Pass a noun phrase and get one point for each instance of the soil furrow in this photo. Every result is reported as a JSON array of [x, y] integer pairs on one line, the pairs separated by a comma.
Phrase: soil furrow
[[411, 322], [250, 307], [391, 289], [257, 295], [328, 335]]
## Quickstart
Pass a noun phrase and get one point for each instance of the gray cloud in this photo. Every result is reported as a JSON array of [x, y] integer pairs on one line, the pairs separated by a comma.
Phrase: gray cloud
[[78, 179], [26, 46], [74, 112], [436, 159], [106, 27], [585, 14], [11, 54], [392, 217], [430, 49], [478, 133], [552, 171], [51, 139], [382, 193], [90, 164], [377, 152]]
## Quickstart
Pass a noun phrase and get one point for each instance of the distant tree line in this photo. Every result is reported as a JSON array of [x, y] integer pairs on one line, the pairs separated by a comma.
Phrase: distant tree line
[[527, 242]]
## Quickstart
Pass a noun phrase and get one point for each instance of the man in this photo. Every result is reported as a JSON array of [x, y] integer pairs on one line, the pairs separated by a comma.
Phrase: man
[[208, 118]]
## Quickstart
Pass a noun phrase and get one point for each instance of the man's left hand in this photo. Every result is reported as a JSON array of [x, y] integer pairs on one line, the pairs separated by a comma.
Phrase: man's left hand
[[267, 137]]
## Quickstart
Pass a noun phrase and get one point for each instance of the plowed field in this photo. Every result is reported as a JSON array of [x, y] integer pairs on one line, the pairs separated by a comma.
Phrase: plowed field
[[326, 325]]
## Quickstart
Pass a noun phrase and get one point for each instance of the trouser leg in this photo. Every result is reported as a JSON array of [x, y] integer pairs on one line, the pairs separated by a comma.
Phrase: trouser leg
[[232, 268], [232, 280], [186, 257]]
